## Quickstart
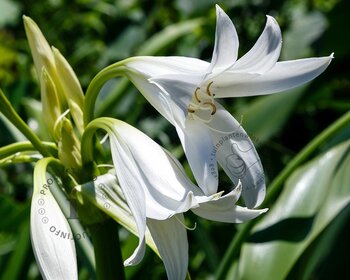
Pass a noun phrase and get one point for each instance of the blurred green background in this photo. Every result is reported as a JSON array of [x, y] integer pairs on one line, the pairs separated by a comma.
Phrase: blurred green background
[[93, 34]]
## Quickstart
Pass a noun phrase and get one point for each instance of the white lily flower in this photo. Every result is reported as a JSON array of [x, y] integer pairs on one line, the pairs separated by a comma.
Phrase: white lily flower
[[51, 236], [158, 191], [184, 90]]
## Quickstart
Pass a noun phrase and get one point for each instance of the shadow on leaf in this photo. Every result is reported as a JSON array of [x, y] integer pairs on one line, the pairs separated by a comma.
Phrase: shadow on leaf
[[291, 229]]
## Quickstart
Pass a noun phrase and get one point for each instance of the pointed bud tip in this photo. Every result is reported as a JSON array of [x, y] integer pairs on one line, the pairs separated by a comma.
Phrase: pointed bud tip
[[218, 9], [27, 20]]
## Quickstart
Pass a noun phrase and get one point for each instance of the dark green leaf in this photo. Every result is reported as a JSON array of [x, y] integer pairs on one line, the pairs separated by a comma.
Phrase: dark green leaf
[[313, 196]]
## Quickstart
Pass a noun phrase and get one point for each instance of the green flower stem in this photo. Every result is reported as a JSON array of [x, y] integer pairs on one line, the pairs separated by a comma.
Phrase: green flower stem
[[24, 146], [10, 113], [22, 158], [108, 258], [105, 238], [112, 71], [275, 188], [152, 46]]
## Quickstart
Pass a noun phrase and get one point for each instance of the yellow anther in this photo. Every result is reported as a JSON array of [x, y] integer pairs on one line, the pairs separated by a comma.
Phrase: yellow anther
[[208, 89], [191, 110], [196, 95], [212, 105]]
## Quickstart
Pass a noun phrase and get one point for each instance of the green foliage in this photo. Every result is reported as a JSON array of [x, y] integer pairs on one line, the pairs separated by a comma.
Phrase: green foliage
[[312, 198]]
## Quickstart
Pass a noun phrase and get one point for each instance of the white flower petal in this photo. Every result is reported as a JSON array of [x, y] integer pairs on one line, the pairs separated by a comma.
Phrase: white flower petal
[[130, 182], [224, 209], [155, 96], [226, 43], [265, 53], [222, 121], [153, 66], [226, 212], [237, 155], [166, 188], [285, 75], [140, 69], [150, 175], [179, 90], [51, 236], [198, 147], [171, 239], [105, 193]]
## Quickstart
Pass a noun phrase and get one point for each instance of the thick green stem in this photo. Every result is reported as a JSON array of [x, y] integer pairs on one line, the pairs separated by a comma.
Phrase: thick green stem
[[105, 238], [108, 258], [275, 188], [10, 113], [25, 146], [112, 71]]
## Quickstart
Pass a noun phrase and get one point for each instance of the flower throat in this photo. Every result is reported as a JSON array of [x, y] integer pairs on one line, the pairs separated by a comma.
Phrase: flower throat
[[202, 102]]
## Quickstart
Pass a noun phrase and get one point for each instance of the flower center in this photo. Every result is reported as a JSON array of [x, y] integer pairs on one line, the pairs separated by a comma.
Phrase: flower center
[[202, 103]]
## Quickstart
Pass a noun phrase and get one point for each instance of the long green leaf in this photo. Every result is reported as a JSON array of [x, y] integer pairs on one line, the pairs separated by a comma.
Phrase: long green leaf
[[266, 115], [313, 196]]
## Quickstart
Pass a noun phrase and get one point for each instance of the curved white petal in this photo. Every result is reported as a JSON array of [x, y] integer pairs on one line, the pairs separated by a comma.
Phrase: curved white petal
[[154, 172], [51, 236], [224, 209], [179, 91], [285, 75], [236, 154], [152, 66], [155, 96], [171, 240], [222, 121], [130, 182], [226, 43], [140, 69], [105, 193], [265, 53], [199, 150]]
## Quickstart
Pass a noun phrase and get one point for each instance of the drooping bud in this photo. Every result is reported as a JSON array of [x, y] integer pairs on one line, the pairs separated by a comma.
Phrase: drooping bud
[[51, 236]]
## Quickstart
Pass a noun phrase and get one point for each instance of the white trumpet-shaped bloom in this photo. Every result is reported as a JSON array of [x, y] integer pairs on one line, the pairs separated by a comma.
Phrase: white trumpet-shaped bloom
[[184, 90], [157, 191]]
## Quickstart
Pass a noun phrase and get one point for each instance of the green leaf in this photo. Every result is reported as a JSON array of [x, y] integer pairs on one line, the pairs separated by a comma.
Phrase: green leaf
[[298, 38], [11, 213], [17, 262], [169, 35], [312, 198], [266, 115]]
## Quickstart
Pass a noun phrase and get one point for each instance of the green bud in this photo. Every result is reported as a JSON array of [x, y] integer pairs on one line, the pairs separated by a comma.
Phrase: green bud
[[50, 102], [69, 148], [71, 88]]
